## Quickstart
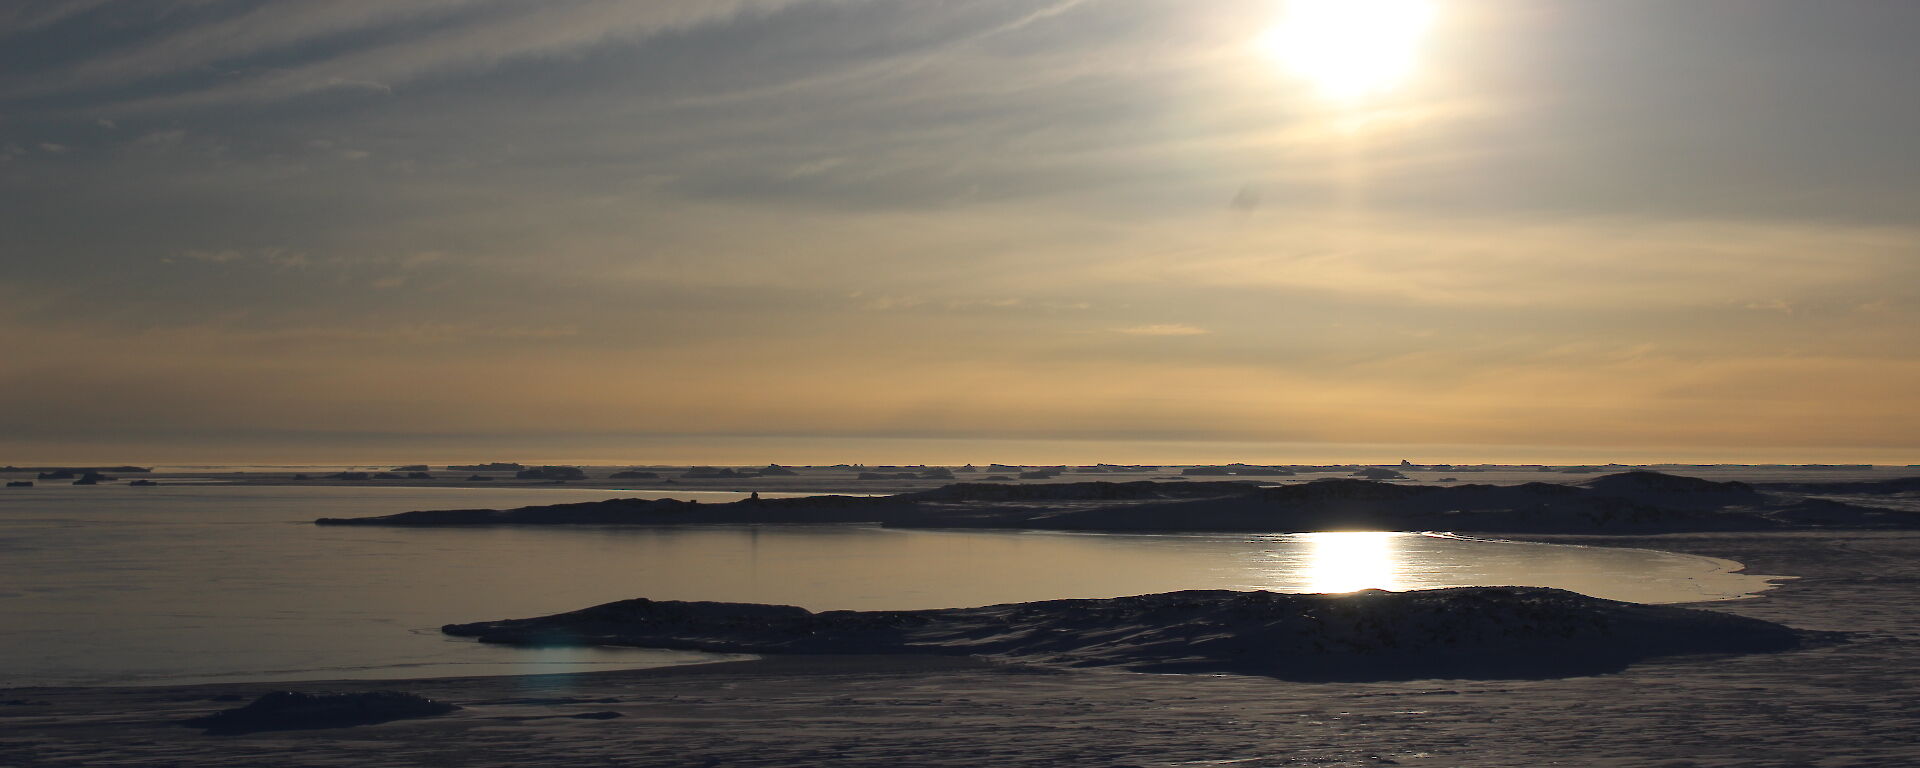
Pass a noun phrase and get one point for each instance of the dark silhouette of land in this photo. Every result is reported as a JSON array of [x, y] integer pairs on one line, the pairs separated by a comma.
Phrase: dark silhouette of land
[[1463, 632], [1624, 503]]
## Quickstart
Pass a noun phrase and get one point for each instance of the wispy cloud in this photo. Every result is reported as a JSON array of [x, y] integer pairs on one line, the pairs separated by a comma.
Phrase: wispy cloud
[[1163, 329], [437, 37], [29, 15], [601, 214]]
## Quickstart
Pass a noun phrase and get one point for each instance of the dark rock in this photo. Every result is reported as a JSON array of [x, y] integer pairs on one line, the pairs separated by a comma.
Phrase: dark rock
[[813, 509], [1673, 490], [498, 466], [1631, 503], [551, 473], [1245, 470], [67, 473], [1865, 487], [1466, 632], [1099, 490], [293, 710]]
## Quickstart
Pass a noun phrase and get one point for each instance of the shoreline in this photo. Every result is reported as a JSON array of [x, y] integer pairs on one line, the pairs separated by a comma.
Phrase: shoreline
[[1856, 703]]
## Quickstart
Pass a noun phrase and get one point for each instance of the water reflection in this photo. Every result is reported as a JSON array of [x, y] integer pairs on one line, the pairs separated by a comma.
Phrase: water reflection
[[1352, 560], [114, 585]]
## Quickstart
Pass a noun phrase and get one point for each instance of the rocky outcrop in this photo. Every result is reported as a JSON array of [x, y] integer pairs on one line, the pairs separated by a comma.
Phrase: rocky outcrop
[[551, 473], [1091, 491], [1632, 502], [815, 509], [1627, 503], [1468, 632]]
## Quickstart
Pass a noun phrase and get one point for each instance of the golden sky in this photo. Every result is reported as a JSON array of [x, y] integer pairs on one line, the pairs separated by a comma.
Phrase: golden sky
[[888, 231]]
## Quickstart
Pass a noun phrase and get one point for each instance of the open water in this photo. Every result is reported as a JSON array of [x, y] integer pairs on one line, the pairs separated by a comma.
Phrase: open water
[[113, 584]]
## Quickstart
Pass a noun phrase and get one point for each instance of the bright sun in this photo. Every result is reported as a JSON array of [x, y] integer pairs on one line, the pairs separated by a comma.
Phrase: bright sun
[[1351, 49]]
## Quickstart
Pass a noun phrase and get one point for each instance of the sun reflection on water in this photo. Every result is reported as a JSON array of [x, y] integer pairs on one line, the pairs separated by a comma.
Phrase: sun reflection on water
[[1352, 560]]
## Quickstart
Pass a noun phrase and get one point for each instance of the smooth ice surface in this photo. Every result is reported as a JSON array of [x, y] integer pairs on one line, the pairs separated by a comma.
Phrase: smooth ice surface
[[111, 584]]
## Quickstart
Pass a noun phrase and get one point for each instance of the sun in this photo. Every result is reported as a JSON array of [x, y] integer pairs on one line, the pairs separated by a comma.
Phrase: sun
[[1350, 50], [1351, 560]]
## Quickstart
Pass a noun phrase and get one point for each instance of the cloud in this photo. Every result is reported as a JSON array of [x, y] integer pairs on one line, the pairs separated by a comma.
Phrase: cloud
[[279, 256], [262, 29], [886, 303], [161, 138], [648, 205], [215, 257], [1771, 305], [1163, 329], [28, 15], [445, 37]]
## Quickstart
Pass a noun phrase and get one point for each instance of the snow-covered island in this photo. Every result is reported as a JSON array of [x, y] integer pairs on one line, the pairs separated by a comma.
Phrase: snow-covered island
[[1461, 632]]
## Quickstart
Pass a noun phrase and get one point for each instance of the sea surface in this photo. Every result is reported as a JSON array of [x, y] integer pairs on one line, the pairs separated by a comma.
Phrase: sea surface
[[117, 585]]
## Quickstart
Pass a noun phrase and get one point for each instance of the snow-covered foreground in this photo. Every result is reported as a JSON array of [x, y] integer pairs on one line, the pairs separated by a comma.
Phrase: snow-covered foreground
[[1848, 704]]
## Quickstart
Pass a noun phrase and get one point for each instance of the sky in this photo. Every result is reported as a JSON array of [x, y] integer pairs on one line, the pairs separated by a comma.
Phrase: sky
[[813, 231]]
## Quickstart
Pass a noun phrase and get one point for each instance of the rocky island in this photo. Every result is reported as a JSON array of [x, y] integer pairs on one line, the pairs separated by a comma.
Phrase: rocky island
[[1637, 502], [1462, 632]]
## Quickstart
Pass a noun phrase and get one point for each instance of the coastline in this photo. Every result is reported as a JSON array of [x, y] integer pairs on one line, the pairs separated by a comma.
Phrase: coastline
[[1855, 703]]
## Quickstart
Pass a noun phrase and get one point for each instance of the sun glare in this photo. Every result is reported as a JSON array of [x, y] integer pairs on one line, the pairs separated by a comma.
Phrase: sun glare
[[1346, 561], [1351, 49]]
